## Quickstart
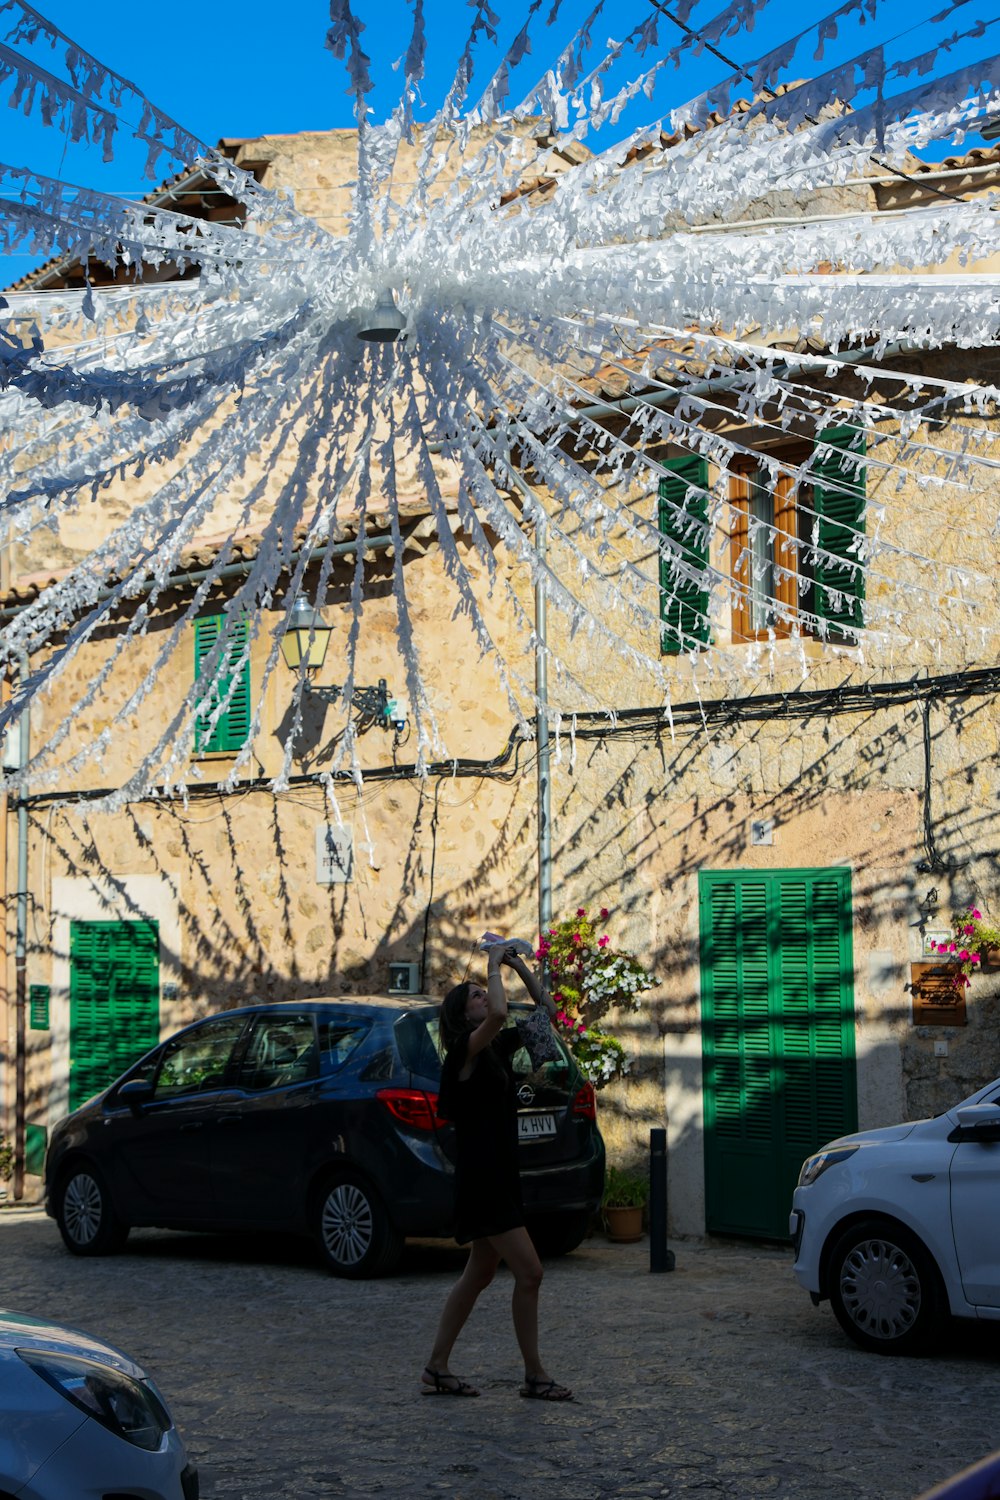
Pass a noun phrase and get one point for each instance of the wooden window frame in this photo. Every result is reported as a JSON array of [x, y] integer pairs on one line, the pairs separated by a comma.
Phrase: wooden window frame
[[786, 520]]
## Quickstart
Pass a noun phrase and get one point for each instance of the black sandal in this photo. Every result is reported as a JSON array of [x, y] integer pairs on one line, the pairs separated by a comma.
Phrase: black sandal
[[537, 1389], [438, 1384]]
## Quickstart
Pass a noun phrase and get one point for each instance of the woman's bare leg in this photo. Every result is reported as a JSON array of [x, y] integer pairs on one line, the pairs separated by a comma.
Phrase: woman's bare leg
[[480, 1268], [516, 1249]]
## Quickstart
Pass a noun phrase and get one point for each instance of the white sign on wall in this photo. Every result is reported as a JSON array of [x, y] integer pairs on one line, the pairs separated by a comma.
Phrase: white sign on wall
[[334, 854]]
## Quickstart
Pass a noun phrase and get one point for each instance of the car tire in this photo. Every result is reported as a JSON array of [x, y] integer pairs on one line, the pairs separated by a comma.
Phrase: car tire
[[85, 1213], [355, 1234], [885, 1288], [556, 1234]]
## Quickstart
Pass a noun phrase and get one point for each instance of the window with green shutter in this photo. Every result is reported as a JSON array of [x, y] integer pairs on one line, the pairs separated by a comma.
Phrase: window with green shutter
[[839, 501], [683, 518], [231, 686], [777, 992]]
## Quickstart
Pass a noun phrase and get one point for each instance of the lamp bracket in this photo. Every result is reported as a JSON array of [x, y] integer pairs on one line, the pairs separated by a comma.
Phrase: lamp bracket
[[368, 702]]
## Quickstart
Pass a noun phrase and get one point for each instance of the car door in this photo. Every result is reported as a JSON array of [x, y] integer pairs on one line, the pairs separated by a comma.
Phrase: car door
[[163, 1149], [262, 1141], [975, 1192]]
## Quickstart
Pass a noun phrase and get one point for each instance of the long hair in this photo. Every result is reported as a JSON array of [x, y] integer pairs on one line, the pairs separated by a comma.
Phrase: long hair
[[453, 1021]]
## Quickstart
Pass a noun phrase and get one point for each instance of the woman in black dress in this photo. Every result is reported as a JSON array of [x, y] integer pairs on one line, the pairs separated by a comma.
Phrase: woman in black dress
[[477, 1094]]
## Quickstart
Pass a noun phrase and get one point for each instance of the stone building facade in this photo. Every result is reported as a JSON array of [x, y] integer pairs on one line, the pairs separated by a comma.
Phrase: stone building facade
[[829, 819]]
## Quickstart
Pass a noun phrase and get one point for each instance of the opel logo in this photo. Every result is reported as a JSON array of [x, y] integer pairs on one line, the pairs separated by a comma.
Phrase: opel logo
[[525, 1094]]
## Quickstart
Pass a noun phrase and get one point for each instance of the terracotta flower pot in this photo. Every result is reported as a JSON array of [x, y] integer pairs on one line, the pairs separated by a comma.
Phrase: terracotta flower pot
[[624, 1225]]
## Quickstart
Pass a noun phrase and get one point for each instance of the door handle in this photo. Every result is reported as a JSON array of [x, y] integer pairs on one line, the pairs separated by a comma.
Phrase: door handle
[[194, 1125], [230, 1119]]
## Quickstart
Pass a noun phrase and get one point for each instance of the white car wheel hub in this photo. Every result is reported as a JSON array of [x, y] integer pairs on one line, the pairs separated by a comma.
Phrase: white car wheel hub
[[880, 1289]]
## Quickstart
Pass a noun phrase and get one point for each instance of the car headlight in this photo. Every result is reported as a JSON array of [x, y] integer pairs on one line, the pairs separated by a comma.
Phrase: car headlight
[[815, 1166], [128, 1408]]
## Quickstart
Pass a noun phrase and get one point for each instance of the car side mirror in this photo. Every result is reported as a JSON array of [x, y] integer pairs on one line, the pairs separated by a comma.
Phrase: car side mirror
[[135, 1093], [979, 1121]]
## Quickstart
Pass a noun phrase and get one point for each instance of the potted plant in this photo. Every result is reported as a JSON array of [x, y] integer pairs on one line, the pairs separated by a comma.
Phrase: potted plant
[[625, 1196], [974, 946], [588, 978]]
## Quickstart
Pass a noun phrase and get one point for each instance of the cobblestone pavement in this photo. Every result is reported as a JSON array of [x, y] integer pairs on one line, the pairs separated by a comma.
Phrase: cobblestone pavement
[[717, 1380]]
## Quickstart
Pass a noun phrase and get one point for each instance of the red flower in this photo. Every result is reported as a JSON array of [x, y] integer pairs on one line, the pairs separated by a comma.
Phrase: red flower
[[602, 942], [581, 911], [605, 914]]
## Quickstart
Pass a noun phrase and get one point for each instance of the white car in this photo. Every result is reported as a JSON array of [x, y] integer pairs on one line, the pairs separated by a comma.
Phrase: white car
[[80, 1418], [900, 1227]]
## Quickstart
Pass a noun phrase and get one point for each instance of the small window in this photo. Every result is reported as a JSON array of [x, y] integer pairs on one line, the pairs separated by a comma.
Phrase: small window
[[772, 580], [340, 1037], [196, 1062], [231, 687], [418, 1037], [282, 1052], [795, 550]]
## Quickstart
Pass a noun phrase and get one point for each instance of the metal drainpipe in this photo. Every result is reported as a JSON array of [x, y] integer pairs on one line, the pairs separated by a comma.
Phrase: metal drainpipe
[[542, 734], [21, 950]]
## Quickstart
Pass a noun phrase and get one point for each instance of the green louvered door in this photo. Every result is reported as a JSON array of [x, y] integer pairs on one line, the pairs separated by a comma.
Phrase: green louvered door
[[777, 1035], [114, 1001]]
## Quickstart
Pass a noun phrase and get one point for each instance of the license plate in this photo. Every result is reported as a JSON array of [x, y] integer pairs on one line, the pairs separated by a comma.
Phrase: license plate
[[535, 1127]]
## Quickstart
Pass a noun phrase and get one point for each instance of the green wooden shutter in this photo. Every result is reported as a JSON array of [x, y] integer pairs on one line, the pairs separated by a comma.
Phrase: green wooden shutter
[[839, 500], [684, 601], [231, 730], [777, 1035], [114, 992]]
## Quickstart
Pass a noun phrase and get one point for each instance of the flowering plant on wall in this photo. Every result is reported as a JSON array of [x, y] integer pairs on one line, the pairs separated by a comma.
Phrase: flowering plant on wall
[[587, 978], [974, 937]]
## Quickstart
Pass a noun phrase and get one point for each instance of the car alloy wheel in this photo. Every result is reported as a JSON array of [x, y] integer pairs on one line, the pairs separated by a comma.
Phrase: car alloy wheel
[[884, 1288], [356, 1235], [348, 1224], [82, 1207], [86, 1217]]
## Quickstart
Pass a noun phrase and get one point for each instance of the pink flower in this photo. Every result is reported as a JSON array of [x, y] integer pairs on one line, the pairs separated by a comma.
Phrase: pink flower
[[964, 953], [969, 930], [975, 915], [577, 938], [602, 942], [581, 1029], [559, 997], [581, 911], [952, 947], [933, 943], [605, 914]]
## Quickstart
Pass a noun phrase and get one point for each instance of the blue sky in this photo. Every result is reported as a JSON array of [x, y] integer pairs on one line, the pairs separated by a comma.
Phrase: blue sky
[[223, 69]]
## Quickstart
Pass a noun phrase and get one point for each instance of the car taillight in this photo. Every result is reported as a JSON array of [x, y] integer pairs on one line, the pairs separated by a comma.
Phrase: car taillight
[[415, 1108], [585, 1103]]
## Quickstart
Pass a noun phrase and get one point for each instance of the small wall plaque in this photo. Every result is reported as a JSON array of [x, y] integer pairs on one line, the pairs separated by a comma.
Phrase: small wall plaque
[[937, 935], [334, 854]]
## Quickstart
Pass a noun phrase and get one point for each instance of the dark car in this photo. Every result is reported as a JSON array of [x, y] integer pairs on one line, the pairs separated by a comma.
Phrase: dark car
[[316, 1118]]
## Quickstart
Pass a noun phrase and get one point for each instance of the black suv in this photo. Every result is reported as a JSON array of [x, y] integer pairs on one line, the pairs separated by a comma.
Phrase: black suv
[[317, 1118]]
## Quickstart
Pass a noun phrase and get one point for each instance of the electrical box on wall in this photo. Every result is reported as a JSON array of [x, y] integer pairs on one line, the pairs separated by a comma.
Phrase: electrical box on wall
[[404, 979]]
